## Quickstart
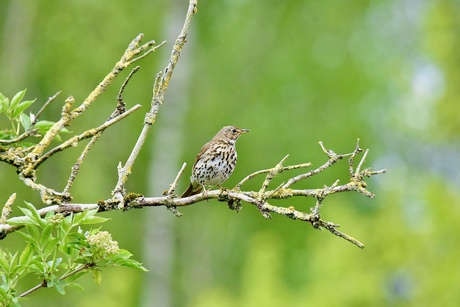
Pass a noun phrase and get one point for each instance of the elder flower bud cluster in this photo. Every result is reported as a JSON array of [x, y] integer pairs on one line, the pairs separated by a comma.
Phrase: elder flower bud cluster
[[102, 243], [56, 219]]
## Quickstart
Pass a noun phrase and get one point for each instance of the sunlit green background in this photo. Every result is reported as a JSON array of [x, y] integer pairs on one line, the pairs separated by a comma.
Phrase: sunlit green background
[[294, 73]]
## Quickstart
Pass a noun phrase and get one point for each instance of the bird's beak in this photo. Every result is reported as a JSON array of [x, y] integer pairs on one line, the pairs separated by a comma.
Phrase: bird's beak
[[244, 130]]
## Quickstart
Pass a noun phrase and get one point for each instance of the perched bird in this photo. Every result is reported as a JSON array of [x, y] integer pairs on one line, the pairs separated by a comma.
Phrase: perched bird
[[216, 160]]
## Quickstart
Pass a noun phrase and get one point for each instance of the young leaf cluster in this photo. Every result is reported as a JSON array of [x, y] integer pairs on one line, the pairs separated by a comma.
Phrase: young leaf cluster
[[58, 251], [15, 111]]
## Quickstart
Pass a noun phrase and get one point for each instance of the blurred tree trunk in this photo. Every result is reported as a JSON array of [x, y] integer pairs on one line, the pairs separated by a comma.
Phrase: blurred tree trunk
[[166, 147], [15, 41]]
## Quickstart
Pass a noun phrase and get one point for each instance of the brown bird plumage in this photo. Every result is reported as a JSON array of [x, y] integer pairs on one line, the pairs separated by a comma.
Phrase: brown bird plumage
[[216, 160]]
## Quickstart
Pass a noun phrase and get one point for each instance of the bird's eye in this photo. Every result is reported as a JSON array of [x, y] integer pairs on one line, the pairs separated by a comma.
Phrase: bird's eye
[[234, 130]]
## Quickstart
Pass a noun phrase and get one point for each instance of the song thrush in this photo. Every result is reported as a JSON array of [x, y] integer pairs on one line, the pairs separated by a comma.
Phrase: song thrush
[[216, 160]]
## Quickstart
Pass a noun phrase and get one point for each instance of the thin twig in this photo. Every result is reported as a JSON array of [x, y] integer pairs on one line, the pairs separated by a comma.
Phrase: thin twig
[[333, 158], [332, 228], [351, 160], [285, 168], [20, 137], [50, 100], [173, 186], [363, 159], [44, 284], [146, 46], [125, 83]]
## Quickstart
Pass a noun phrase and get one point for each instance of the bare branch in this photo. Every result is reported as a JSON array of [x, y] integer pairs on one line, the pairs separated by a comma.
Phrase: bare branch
[[285, 168], [173, 185], [120, 109], [159, 90], [87, 134], [47, 103]]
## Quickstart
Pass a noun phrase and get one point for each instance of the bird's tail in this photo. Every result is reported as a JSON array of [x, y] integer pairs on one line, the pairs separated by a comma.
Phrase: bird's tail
[[192, 191]]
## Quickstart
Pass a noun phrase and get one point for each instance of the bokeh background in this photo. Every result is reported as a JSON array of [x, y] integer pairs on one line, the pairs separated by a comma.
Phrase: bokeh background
[[294, 72]]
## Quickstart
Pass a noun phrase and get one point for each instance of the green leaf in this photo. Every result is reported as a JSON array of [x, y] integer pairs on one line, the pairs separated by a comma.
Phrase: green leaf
[[20, 108], [94, 220], [66, 223], [74, 219], [133, 264], [49, 214], [7, 135], [59, 288], [46, 234], [12, 262], [75, 276], [122, 258], [53, 281], [123, 253], [4, 264], [26, 236], [21, 220], [89, 213], [31, 212], [4, 103], [58, 261], [91, 218], [54, 264], [43, 126], [15, 101], [49, 246], [25, 121], [37, 266], [3, 294], [81, 260], [26, 255], [97, 276], [35, 233], [75, 285], [64, 130]]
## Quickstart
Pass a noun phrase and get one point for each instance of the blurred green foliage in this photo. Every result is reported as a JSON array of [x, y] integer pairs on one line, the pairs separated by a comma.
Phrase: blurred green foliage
[[294, 73]]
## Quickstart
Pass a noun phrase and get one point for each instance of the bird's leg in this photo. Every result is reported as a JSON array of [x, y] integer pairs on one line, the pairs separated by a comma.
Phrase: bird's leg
[[205, 192], [222, 189]]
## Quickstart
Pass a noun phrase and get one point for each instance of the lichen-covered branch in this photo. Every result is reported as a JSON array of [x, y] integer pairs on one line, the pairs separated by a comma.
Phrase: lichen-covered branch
[[65, 209], [7, 209], [260, 199]]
